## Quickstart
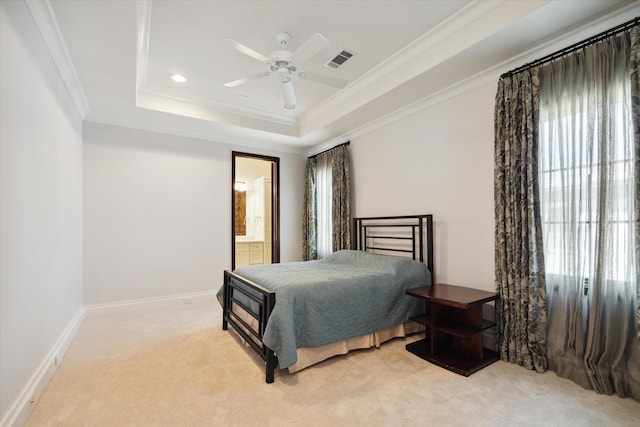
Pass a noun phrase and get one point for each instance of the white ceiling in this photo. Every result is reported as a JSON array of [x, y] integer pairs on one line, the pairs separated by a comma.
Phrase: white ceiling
[[406, 53]]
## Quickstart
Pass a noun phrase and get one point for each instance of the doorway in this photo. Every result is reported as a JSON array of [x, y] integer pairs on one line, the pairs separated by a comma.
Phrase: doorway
[[255, 209]]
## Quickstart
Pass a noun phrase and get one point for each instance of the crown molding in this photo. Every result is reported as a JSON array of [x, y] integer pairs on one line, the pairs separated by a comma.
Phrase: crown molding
[[487, 76], [47, 24], [218, 107], [232, 139], [143, 10], [443, 95], [431, 49], [219, 116]]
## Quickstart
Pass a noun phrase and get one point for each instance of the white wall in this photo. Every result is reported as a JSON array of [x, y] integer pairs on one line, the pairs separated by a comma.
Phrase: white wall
[[40, 209], [157, 213], [438, 161]]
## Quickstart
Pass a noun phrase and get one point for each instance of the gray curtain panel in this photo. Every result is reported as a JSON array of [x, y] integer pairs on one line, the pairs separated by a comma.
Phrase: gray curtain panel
[[635, 116], [589, 171], [519, 258], [634, 365]]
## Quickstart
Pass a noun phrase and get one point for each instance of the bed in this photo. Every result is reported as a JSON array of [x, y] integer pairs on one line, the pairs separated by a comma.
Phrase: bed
[[297, 314]]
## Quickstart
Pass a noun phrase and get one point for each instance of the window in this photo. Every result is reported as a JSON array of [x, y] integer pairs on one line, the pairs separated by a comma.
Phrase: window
[[324, 206], [586, 179]]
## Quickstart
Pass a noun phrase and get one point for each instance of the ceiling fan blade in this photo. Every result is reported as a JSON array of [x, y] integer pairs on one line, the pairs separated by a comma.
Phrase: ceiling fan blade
[[312, 46], [247, 51], [322, 79], [238, 82]]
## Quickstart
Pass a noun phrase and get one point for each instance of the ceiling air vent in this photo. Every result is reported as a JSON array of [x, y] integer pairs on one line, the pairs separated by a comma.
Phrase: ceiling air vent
[[340, 59]]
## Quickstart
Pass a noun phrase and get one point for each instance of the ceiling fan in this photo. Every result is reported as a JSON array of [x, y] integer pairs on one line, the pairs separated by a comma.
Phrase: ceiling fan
[[285, 64]]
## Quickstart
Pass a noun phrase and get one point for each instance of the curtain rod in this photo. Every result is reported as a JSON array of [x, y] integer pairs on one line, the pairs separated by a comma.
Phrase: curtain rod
[[329, 149], [574, 47]]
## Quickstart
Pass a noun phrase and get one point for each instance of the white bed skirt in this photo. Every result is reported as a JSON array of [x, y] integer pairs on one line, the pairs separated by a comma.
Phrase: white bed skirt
[[308, 356]]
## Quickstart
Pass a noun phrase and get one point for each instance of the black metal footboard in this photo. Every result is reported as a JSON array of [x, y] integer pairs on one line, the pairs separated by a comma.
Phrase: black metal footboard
[[241, 292]]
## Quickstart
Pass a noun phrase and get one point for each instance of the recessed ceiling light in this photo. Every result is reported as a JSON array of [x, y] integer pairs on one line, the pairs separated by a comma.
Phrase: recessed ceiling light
[[179, 78]]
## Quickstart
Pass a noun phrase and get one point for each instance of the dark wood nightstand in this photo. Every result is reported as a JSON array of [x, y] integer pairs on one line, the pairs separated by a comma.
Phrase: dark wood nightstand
[[454, 326]]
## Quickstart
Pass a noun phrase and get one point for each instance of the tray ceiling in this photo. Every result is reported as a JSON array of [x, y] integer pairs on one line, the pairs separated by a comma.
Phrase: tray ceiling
[[405, 52]]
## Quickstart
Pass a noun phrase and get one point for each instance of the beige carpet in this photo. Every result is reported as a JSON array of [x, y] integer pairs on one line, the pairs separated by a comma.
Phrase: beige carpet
[[176, 367]]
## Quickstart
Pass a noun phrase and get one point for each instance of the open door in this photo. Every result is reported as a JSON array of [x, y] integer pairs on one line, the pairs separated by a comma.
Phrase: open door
[[255, 218]]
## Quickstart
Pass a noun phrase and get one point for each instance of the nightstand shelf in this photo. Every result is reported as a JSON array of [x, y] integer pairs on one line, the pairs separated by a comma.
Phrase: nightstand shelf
[[461, 331], [454, 327], [423, 319]]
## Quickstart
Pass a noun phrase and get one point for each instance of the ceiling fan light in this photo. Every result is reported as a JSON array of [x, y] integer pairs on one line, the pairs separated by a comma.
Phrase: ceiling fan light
[[284, 74], [179, 78], [288, 95]]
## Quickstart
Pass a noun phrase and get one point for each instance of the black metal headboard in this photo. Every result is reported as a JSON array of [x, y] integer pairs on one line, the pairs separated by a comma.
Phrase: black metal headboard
[[406, 236]]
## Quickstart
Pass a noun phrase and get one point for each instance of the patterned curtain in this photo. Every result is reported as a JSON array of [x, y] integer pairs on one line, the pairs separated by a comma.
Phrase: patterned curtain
[[309, 222], [341, 198], [327, 203], [519, 260]]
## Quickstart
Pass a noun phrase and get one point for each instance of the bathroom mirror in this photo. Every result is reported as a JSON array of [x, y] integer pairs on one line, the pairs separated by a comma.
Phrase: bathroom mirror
[[255, 216]]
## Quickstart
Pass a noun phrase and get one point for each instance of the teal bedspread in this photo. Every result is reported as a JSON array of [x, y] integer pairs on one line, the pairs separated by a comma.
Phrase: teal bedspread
[[345, 295]]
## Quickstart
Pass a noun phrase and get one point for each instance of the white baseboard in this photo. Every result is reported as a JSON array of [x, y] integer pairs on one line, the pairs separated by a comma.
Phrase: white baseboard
[[19, 412], [129, 306], [22, 407]]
